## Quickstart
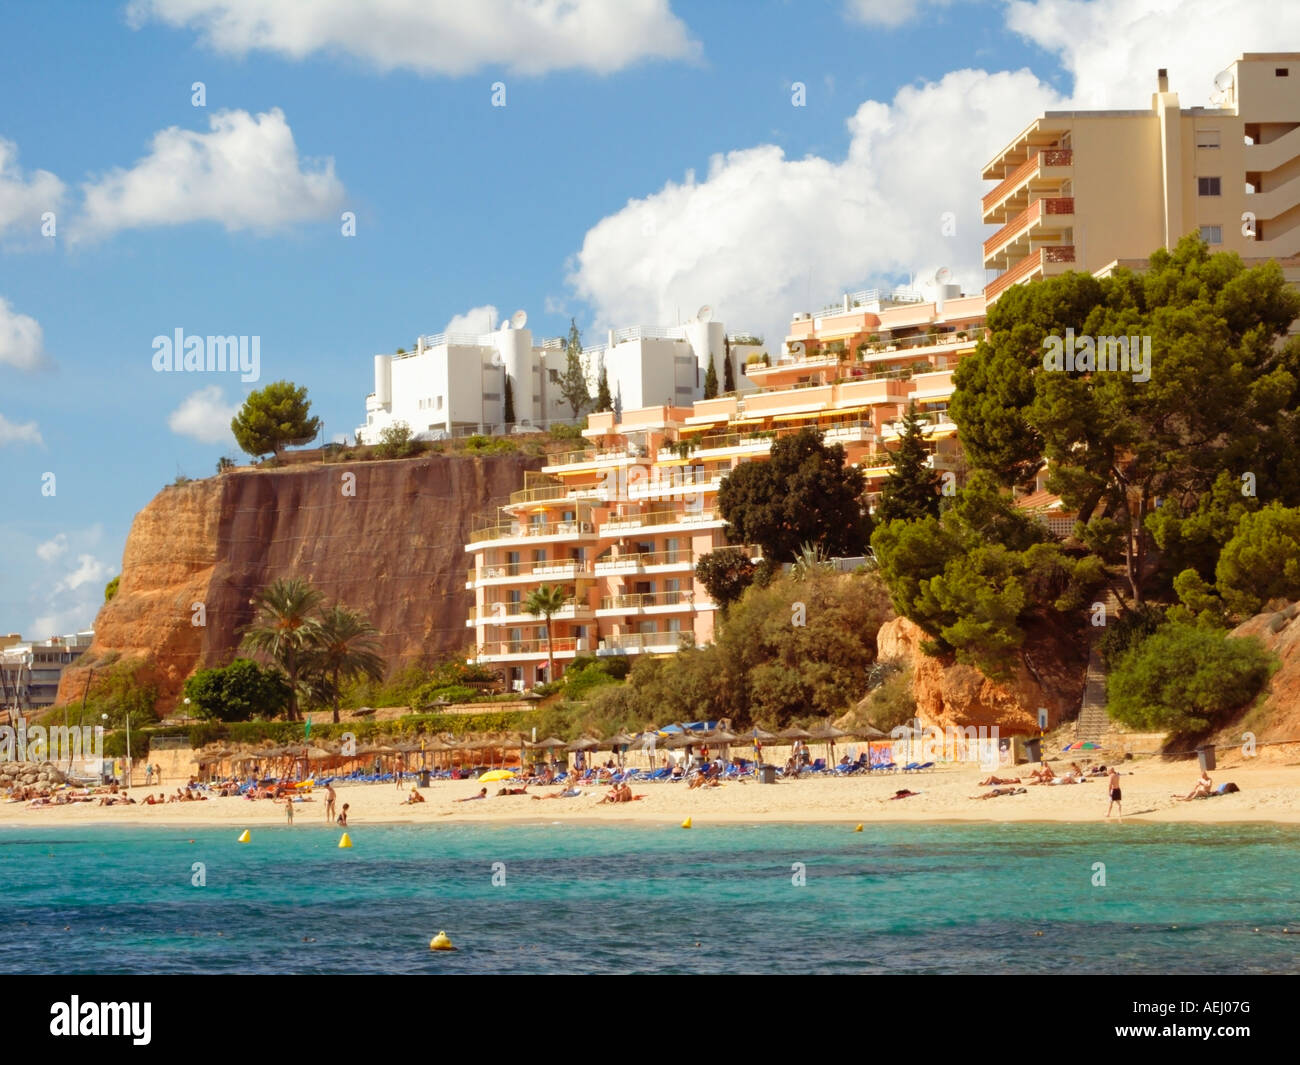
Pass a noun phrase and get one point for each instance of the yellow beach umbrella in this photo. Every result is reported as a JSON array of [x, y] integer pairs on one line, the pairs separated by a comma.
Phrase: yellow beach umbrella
[[497, 774]]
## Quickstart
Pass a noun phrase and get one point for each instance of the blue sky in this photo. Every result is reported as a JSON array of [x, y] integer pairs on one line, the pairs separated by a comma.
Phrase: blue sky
[[649, 158]]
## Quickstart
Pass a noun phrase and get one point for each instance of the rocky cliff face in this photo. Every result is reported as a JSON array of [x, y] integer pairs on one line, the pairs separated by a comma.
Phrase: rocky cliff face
[[1049, 673], [1278, 717], [386, 538]]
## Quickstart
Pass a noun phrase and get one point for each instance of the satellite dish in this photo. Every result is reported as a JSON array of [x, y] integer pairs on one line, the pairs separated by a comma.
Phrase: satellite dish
[[496, 358], [942, 275], [704, 313], [1223, 80], [519, 319]]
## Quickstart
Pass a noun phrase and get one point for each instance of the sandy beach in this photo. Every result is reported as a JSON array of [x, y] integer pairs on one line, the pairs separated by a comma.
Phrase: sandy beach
[[1270, 791]]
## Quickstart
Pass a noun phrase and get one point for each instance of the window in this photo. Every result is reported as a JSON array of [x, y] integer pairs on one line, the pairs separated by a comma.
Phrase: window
[[1207, 186], [1282, 72], [439, 403], [1207, 138], [1212, 234]]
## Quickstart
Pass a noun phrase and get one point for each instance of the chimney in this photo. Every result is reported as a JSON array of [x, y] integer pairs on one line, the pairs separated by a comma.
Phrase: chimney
[[1162, 80], [847, 308]]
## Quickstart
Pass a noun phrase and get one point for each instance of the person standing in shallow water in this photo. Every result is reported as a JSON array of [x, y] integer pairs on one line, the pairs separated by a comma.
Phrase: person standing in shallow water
[[288, 808]]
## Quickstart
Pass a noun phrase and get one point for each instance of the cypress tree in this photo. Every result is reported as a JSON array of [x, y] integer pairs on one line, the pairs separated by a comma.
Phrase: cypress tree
[[911, 491]]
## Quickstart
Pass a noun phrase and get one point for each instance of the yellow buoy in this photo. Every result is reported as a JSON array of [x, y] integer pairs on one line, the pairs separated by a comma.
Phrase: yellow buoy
[[686, 823], [346, 841], [858, 829], [441, 942], [244, 837]]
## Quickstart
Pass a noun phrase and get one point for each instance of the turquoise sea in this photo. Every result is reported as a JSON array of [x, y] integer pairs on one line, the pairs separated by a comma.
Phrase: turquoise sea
[[614, 899]]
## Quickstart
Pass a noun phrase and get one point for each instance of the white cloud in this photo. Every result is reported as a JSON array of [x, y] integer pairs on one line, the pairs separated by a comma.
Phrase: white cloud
[[76, 617], [52, 549], [19, 432], [762, 235], [22, 342], [889, 13], [89, 570], [24, 200], [244, 174], [204, 415], [450, 37], [476, 320], [1113, 47]]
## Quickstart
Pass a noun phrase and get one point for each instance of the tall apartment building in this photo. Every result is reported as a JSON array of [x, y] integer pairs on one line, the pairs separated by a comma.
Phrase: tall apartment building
[[30, 671], [1077, 190], [620, 525], [455, 383]]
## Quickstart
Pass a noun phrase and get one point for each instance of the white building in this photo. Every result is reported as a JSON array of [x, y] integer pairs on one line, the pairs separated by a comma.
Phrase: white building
[[455, 383]]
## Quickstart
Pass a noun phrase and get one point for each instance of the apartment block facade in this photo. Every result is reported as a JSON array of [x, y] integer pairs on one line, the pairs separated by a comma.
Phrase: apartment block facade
[[620, 524], [453, 384], [30, 670], [1077, 190]]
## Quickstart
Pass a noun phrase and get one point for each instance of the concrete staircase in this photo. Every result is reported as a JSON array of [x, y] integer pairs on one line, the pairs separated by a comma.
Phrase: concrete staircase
[[1093, 722]]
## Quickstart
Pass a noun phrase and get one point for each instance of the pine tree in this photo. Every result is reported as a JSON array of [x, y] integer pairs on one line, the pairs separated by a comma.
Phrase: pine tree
[[711, 380], [604, 401], [911, 491], [509, 414], [728, 372], [573, 383]]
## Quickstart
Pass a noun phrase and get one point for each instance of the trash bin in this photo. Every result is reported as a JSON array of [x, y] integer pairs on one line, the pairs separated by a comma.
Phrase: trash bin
[[767, 774], [1205, 755], [424, 778], [1034, 749]]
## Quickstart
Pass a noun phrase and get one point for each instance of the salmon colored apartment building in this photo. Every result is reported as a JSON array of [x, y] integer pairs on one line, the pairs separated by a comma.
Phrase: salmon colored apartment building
[[620, 524]]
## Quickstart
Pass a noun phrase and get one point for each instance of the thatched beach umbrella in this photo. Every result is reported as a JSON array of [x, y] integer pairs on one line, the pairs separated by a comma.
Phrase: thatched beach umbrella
[[828, 734]]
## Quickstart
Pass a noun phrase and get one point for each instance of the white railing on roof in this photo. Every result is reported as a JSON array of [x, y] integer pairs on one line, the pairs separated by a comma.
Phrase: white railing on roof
[[858, 300]]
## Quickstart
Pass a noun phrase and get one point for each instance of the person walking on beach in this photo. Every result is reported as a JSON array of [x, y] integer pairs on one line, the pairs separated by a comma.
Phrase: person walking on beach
[[1115, 794], [330, 796]]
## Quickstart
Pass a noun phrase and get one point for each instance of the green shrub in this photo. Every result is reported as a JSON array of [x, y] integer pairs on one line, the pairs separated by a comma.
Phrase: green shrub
[[1186, 679], [1128, 630]]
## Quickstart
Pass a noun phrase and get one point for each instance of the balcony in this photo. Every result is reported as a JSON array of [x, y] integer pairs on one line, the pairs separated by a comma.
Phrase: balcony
[[646, 562], [666, 642], [516, 650], [645, 603], [667, 520], [1045, 170], [515, 614], [573, 461], [1038, 221], [510, 531], [564, 569], [1042, 262]]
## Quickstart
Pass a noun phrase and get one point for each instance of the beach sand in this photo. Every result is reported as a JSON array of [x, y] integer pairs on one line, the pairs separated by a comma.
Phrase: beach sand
[[1270, 791]]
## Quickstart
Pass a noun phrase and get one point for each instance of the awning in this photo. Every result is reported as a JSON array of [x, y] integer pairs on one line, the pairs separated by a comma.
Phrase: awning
[[701, 426], [849, 410], [750, 421], [673, 462]]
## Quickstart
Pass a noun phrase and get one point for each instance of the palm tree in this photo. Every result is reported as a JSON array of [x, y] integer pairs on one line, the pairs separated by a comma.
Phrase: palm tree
[[283, 628], [545, 601], [344, 646]]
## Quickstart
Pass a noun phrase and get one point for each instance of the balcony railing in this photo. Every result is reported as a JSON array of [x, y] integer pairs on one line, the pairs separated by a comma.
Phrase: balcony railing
[[559, 645], [1035, 260], [611, 563], [641, 600], [1046, 157], [1058, 205], [639, 641], [658, 517], [512, 613], [514, 530], [558, 569]]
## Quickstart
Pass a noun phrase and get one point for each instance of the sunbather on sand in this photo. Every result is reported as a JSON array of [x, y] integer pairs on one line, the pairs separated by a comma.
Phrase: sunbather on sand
[[991, 781], [1201, 788], [567, 793], [996, 792], [470, 798], [1043, 774]]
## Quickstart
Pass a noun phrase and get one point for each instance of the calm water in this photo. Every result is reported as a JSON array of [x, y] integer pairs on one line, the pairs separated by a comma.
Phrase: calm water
[[907, 898]]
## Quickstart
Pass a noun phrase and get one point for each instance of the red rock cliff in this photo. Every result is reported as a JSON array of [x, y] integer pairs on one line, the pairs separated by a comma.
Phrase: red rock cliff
[[393, 550]]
